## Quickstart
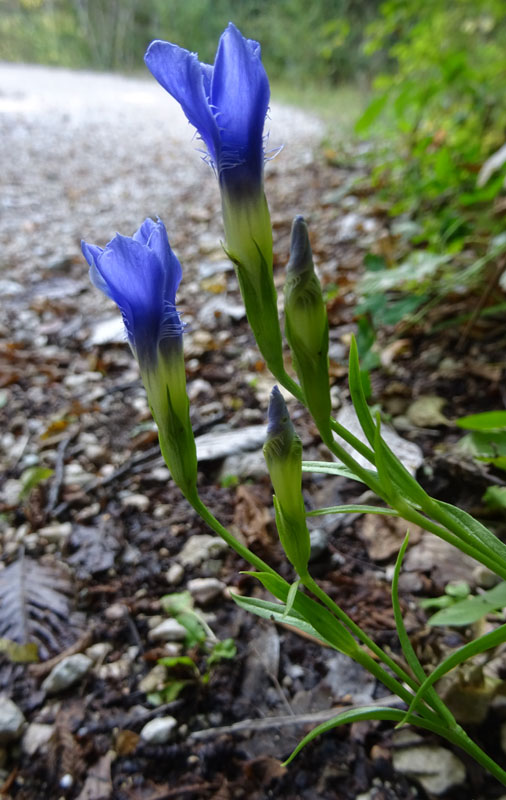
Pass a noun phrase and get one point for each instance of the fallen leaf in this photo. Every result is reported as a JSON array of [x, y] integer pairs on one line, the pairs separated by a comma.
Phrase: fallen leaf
[[98, 784]]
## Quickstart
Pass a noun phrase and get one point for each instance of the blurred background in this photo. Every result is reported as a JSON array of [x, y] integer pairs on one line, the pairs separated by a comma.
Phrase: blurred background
[[421, 84]]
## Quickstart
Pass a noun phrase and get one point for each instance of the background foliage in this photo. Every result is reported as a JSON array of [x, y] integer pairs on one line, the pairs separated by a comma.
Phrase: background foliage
[[301, 41]]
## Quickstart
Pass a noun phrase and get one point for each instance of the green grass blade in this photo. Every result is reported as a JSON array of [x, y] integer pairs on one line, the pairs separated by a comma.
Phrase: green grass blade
[[331, 468], [315, 614], [485, 642], [353, 509], [363, 713], [357, 394]]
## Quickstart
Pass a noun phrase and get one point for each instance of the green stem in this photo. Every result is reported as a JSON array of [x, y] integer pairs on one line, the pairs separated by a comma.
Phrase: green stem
[[341, 615], [291, 386], [462, 740], [488, 560], [241, 549]]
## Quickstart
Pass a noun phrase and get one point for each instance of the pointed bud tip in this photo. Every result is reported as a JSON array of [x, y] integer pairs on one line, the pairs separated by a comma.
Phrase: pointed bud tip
[[301, 257], [278, 413]]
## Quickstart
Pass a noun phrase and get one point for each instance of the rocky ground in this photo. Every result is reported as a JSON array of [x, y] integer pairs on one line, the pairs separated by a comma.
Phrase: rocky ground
[[93, 533]]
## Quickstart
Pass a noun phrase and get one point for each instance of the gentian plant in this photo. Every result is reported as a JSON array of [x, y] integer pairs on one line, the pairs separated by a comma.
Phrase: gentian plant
[[227, 104]]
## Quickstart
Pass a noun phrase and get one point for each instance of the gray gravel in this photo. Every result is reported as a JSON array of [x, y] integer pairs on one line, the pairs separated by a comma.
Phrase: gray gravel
[[86, 154]]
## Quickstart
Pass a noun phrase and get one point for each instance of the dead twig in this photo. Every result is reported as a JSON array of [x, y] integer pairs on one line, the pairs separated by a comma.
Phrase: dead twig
[[266, 723], [59, 472], [501, 264], [45, 667]]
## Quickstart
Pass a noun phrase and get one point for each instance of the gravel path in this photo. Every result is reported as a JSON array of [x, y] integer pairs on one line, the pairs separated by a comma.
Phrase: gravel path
[[86, 154]]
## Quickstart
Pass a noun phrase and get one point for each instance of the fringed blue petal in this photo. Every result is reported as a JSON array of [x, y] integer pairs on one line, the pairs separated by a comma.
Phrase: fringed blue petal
[[182, 75], [227, 103], [141, 274], [240, 94]]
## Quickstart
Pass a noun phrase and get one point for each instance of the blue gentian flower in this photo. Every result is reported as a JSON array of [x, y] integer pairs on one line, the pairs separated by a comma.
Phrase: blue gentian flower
[[226, 103], [141, 274]]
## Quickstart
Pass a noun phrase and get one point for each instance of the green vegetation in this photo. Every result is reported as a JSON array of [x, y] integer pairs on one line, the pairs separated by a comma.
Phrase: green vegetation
[[302, 43], [438, 123]]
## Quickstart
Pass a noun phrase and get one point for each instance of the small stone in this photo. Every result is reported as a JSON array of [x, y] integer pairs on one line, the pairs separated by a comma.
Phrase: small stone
[[138, 501], [115, 612], [484, 577], [66, 781], [319, 544], [57, 533], [78, 380], [174, 574], [95, 453], [160, 474], [11, 721], [115, 670], [436, 768], [159, 731], [205, 590], [168, 631], [67, 673], [98, 652], [36, 738], [409, 453], [75, 475], [155, 680], [199, 548], [243, 466]]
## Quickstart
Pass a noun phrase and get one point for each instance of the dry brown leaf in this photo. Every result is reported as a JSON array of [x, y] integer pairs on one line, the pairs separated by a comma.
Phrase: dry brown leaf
[[251, 517], [384, 535], [98, 784]]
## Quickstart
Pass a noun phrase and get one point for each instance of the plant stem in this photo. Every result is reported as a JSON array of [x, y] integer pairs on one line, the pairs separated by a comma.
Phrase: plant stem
[[341, 615], [488, 560], [229, 538]]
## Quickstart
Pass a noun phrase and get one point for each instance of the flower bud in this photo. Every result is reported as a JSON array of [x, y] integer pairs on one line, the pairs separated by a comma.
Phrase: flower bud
[[283, 454], [306, 325]]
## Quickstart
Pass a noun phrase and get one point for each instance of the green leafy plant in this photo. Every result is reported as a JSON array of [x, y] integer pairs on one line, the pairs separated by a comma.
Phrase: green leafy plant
[[437, 121], [301, 601]]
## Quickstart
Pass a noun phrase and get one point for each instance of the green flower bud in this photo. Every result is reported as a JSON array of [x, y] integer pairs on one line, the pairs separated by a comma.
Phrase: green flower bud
[[306, 325], [283, 454], [166, 389]]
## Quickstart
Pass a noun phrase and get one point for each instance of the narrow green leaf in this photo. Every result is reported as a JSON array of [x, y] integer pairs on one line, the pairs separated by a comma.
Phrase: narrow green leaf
[[31, 478], [460, 656], [357, 394], [225, 649], [291, 596], [177, 602], [494, 421], [331, 468], [353, 509], [320, 618], [406, 646], [472, 609], [381, 457], [276, 612], [178, 661], [364, 713], [404, 481], [482, 534], [495, 497], [371, 113]]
